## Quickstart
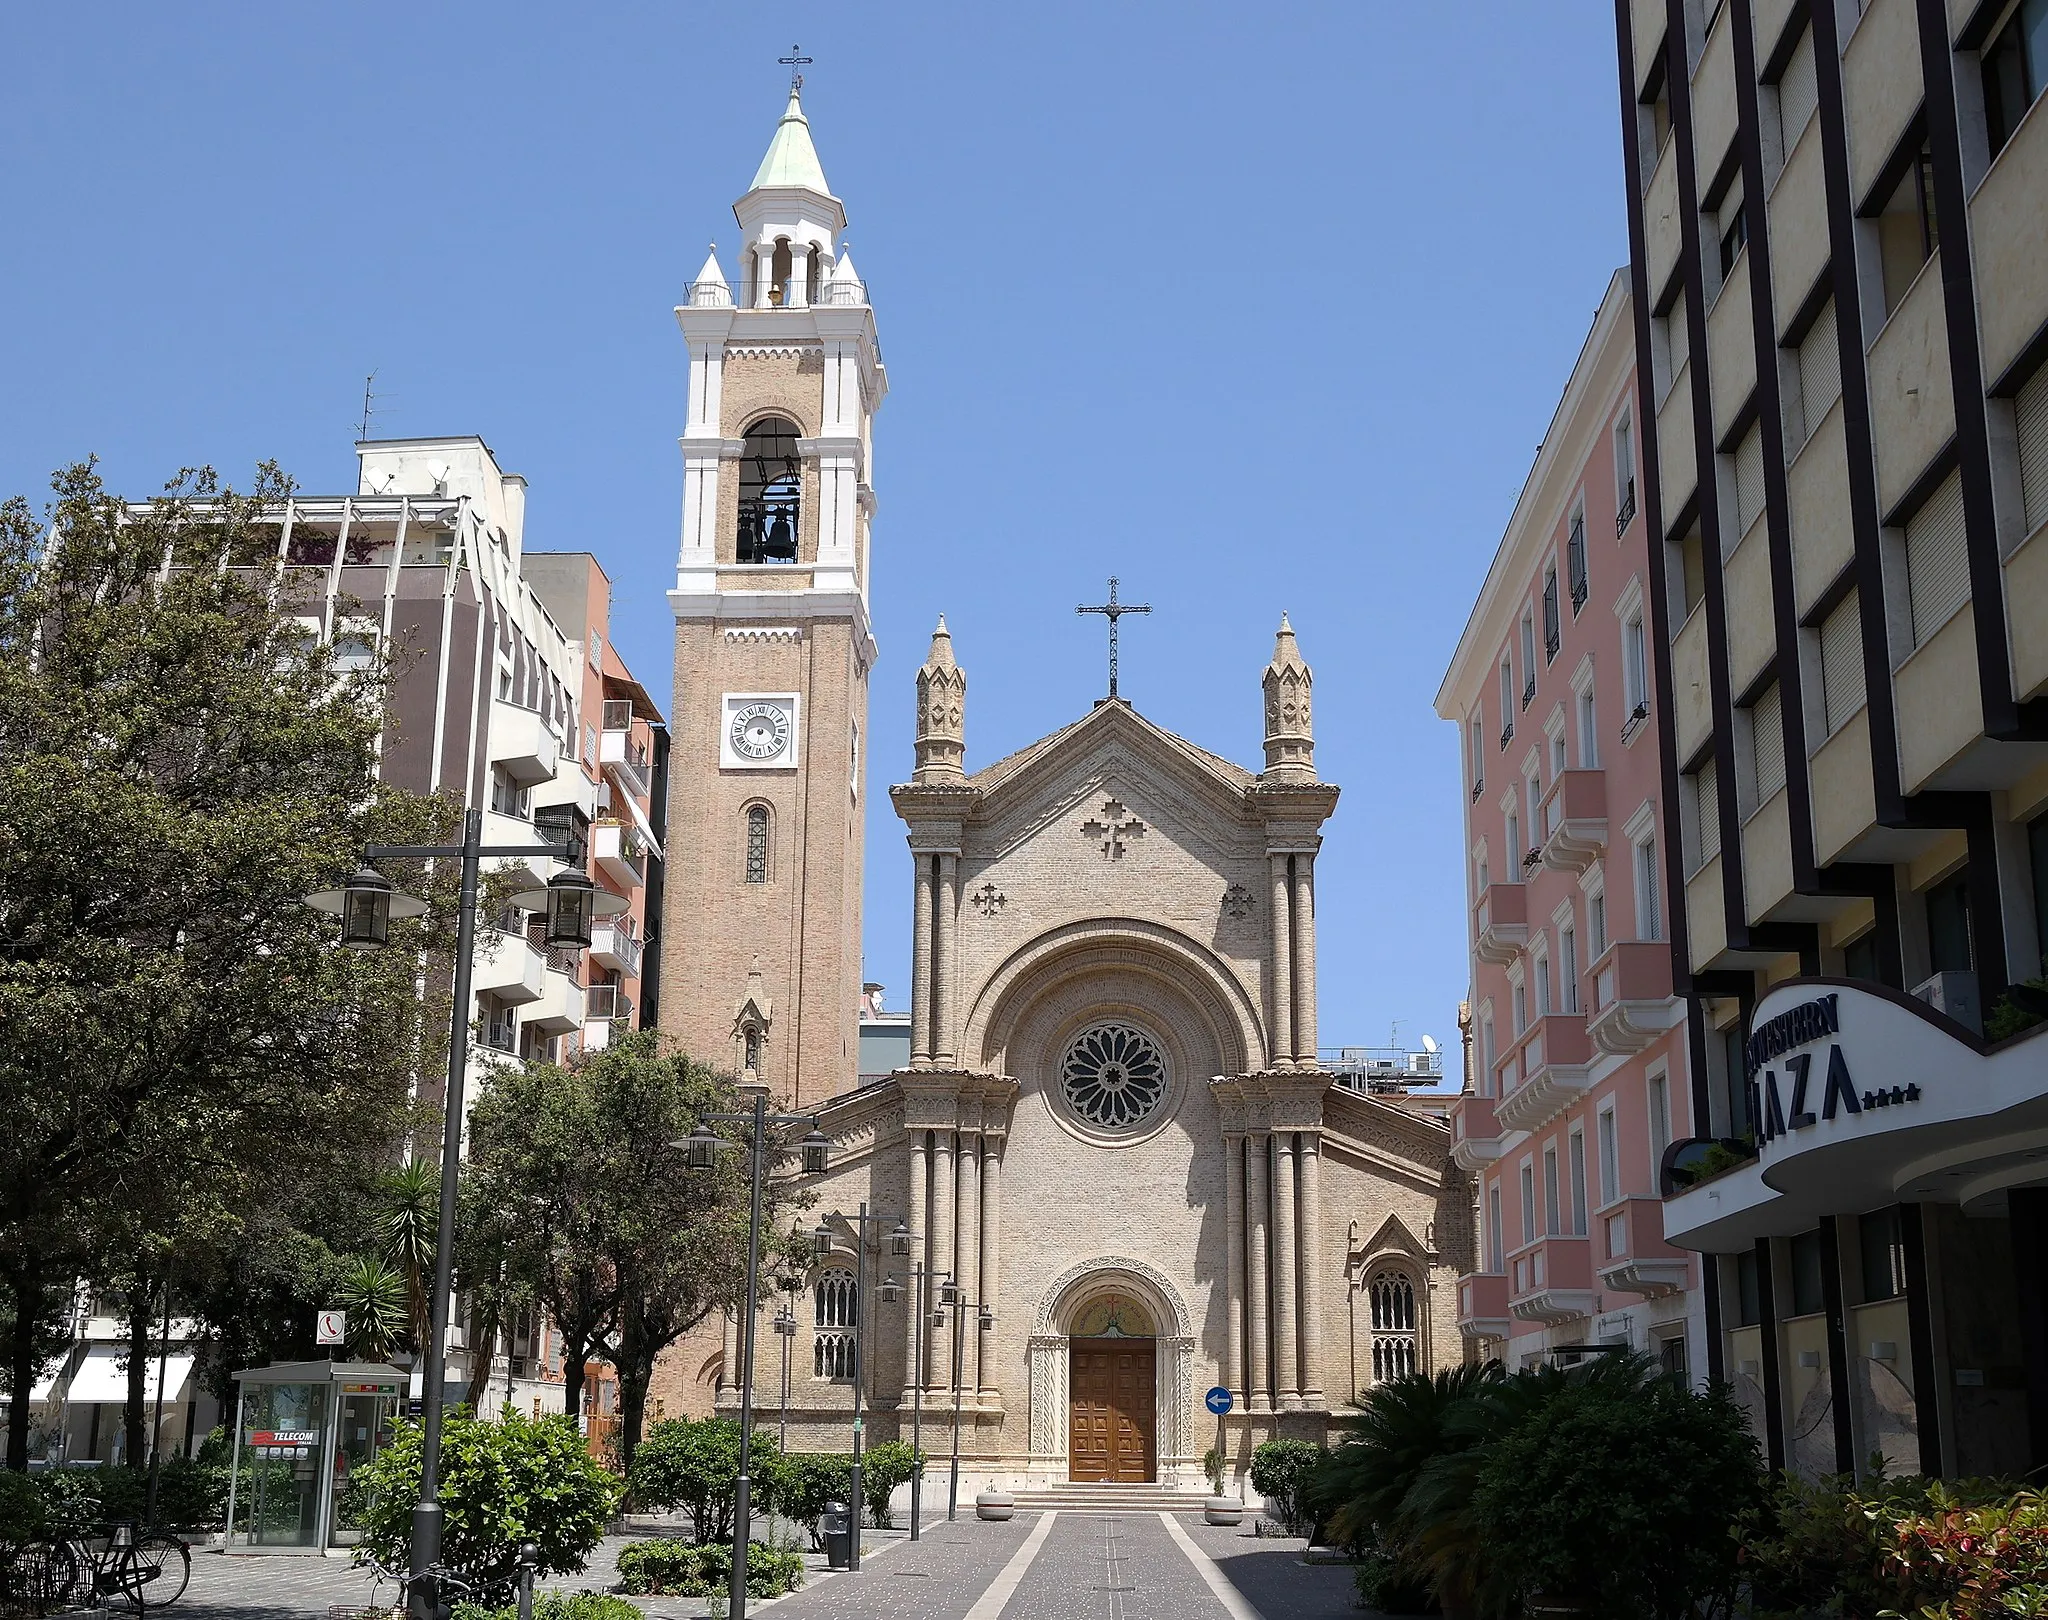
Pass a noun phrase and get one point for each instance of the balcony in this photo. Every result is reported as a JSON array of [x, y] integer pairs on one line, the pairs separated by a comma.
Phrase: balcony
[[1574, 820], [612, 947], [1503, 923], [508, 967], [1475, 1134], [1632, 1006], [559, 1007], [522, 742], [1545, 1072], [1635, 1258], [623, 754], [621, 853], [607, 1001], [1551, 1281], [1483, 1305]]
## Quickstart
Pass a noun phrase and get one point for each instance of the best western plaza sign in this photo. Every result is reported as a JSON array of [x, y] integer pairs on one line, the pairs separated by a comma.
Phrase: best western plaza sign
[[1804, 1043]]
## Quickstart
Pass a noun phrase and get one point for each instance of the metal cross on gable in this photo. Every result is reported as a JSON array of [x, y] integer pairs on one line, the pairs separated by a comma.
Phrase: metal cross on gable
[[796, 62], [1113, 610]]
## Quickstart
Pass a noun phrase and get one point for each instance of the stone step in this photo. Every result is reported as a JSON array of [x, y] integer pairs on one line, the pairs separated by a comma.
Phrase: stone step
[[1108, 1499]]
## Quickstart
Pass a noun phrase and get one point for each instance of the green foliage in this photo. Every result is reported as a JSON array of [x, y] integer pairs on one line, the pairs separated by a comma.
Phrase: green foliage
[[374, 1297], [1387, 1583], [882, 1469], [1360, 1491], [694, 1464], [190, 1493], [687, 1569], [1963, 1560], [502, 1484], [557, 1606], [1212, 1469], [804, 1481], [24, 1513], [1620, 1498], [2018, 1010], [1281, 1470]]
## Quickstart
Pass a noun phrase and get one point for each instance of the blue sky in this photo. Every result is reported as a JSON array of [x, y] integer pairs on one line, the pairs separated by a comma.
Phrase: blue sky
[[1258, 307]]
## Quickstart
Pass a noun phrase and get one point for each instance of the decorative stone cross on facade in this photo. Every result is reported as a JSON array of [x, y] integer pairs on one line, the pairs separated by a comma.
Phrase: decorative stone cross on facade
[[1116, 828], [988, 899], [1113, 610], [1237, 900]]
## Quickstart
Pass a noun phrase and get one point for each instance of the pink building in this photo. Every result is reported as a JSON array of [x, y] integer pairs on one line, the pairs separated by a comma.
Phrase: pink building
[[1580, 1080]]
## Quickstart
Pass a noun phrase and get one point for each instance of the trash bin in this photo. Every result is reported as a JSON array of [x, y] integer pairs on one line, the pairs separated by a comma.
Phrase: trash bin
[[836, 1525]]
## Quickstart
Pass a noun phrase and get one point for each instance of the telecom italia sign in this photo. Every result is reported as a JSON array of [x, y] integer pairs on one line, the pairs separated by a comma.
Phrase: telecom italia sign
[[1798, 1070]]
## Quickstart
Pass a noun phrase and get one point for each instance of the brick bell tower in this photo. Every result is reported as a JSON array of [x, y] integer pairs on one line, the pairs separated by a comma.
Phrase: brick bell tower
[[761, 926]]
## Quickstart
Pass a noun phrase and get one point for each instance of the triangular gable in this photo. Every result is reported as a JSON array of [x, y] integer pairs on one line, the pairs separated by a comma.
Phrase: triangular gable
[[1109, 725]]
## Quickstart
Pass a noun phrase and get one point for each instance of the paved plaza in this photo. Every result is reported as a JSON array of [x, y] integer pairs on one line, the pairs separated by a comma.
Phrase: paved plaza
[[1125, 1565]]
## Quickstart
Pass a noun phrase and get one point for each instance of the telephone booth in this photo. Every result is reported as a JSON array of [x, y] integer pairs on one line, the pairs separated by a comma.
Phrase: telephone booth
[[302, 1430]]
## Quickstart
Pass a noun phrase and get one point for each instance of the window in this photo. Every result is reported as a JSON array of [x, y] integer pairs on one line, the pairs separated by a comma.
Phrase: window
[[2037, 858], [1507, 702], [1488, 1050], [1528, 659], [495, 1023], [1692, 574], [1907, 230], [1575, 559], [771, 490], [1883, 1247], [1558, 760], [1533, 787], [2015, 70], [1596, 923], [1732, 229], [1577, 1149], [750, 1049], [1521, 1008], [1798, 93], [1494, 1248], [1948, 925], [757, 844], [1699, 797], [1937, 560], [355, 648], [1528, 1202], [1653, 124], [1737, 1083], [1749, 1294], [1514, 830], [1568, 966], [1766, 747], [1553, 631], [1841, 664], [1669, 345], [1539, 970], [1393, 1326], [508, 798], [1660, 1118], [1589, 732], [1819, 357], [1809, 1297], [1610, 1157], [1552, 1224], [1635, 671], [1649, 925], [1477, 732], [1749, 481], [1859, 957], [834, 1296], [1624, 476], [2030, 425]]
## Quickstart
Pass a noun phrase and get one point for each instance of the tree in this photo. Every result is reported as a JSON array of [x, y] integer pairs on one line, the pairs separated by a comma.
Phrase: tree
[[695, 1466], [627, 1241], [373, 1295], [180, 1041]]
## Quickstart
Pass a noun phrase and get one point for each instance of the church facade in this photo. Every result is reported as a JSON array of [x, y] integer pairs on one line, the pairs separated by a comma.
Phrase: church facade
[[1113, 1175]]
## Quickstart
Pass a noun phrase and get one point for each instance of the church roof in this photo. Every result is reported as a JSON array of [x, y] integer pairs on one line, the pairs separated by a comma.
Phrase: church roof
[[1109, 712], [792, 160]]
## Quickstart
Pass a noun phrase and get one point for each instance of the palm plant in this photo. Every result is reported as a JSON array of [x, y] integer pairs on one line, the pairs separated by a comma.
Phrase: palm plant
[[1360, 1491], [374, 1297], [411, 1219]]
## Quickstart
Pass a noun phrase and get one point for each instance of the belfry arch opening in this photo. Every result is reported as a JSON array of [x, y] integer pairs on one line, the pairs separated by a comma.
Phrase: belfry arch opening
[[771, 493]]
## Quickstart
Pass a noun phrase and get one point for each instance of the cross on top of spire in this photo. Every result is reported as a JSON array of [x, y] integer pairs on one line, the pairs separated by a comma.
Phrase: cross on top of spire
[[796, 62], [1113, 610]]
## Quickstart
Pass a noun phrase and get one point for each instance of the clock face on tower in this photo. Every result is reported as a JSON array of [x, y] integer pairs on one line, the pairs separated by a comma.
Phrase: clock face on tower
[[759, 732]]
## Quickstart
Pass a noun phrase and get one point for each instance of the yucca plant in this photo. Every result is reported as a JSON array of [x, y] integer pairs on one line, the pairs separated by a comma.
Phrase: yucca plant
[[374, 1297], [411, 1204]]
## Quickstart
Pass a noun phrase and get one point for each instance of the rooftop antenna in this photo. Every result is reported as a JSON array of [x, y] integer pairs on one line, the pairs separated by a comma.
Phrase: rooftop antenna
[[370, 399], [796, 61]]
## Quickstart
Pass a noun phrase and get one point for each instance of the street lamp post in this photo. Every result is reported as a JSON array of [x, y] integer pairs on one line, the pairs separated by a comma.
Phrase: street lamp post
[[920, 1284], [703, 1145], [785, 1330], [899, 1245], [954, 1297], [366, 903]]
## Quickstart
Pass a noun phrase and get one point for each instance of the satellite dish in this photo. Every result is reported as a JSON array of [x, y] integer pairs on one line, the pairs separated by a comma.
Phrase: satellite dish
[[1429, 1043]]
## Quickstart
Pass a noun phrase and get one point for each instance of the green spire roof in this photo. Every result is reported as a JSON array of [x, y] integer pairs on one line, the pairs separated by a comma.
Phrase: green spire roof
[[792, 160]]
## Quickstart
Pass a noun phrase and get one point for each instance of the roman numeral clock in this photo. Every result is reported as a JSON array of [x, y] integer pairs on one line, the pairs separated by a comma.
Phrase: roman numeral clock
[[760, 731]]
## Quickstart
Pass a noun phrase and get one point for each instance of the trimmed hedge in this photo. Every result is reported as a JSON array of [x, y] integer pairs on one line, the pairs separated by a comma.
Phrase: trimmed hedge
[[669, 1568]]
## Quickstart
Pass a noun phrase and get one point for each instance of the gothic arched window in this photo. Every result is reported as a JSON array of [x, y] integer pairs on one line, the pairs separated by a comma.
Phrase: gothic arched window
[[834, 1298], [1394, 1354], [757, 843], [771, 491], [750, 1047]]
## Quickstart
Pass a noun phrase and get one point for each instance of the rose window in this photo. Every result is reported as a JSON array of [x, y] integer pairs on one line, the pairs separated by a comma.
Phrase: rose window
[[1113, 1075]]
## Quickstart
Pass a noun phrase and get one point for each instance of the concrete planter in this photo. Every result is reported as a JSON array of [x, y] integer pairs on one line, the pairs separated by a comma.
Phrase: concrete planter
[[1223, 1510], [995, 1505]]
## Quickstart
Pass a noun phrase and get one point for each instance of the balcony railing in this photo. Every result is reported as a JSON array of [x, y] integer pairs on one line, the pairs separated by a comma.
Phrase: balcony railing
[[1634, 1257], [1545, 1071], [1551, 1280], [1501, 923], [1361, 1066], [607, 1001], [1628, 510], [845, 293], [1632, 1006], [621, 852], [1574, 820], [624, 755], [612, 947]]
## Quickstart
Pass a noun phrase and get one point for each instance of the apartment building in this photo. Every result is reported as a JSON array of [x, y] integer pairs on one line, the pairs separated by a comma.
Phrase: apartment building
[[1578, 1081], [1836, 216]]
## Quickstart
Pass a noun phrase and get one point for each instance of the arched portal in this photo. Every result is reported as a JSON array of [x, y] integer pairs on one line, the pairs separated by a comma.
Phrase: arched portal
[[1112, 1375]]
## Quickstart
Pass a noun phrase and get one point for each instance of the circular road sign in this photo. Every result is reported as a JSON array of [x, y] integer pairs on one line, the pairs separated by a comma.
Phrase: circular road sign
[[1217, 1400]]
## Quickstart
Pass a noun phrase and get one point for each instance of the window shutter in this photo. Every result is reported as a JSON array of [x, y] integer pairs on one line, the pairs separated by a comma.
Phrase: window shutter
[[1820, 368], [2030, 416], [1841, 663], [1937, 559], [1767, 743], [1798, 94], [1749, 480], [1704, 807]]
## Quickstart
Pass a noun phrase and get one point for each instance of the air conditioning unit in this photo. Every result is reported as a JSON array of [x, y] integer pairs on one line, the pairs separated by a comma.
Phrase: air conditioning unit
[[1954, 994]]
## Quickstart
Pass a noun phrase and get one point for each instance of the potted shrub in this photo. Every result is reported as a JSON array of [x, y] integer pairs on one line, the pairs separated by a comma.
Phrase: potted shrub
[[1280, 1473], [1221, 1507]]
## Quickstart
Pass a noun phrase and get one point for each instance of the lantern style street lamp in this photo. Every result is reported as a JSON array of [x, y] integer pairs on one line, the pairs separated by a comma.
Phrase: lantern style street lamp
[[924, 1318], [366, 903], [821, 1244], [700, 1152], [954, 1298]]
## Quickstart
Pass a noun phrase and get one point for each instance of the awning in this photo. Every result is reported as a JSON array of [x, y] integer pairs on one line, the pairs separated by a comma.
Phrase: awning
[[640, 818], [104, 1377]]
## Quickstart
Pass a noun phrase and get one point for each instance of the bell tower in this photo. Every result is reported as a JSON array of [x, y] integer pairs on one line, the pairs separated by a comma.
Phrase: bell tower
[[761, 918]]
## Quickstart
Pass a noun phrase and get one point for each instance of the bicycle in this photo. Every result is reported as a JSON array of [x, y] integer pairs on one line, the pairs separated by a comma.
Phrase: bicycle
[[447, 1585], [150, 1568]]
